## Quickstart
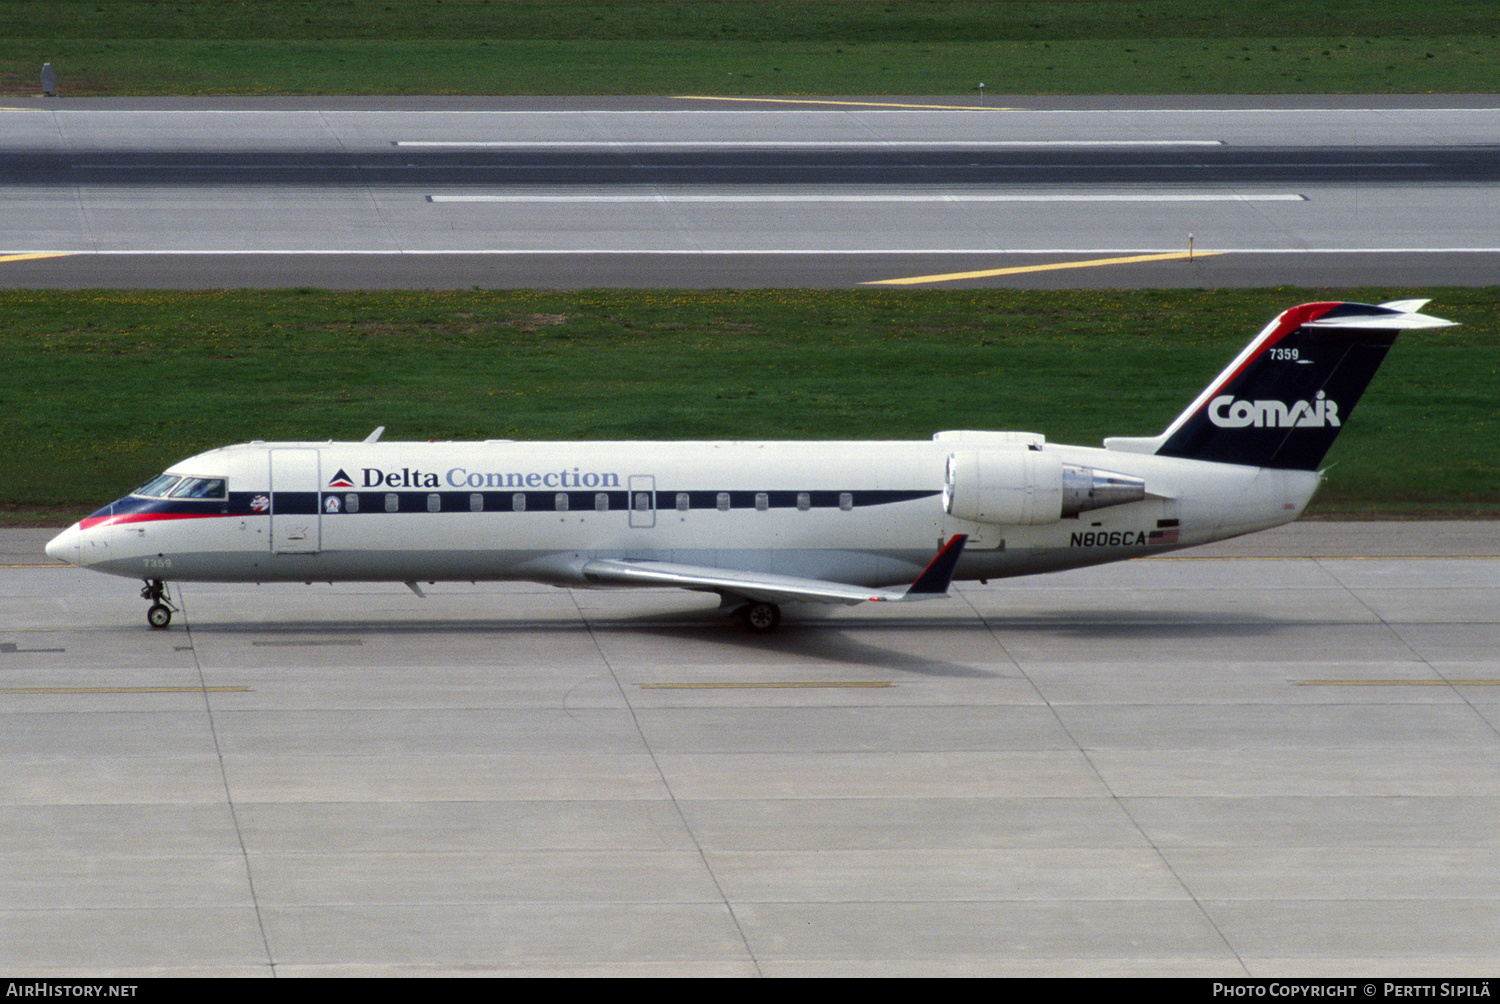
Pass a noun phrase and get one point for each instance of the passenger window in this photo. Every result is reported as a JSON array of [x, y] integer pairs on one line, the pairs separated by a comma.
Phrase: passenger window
[[392, 502], [723, 502], [682, 502], [601, 502], [476, 502], [560, 501], [351, 502], [762, 501], [518, 502], [804, 501], [434, 502], [846, 501]]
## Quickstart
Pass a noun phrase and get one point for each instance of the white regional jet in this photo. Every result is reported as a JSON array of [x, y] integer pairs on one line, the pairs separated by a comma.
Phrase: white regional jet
[[759, 523]]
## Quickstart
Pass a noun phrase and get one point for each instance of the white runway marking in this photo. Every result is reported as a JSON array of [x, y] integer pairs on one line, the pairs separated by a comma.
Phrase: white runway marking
[[836, 144], [895, 197]]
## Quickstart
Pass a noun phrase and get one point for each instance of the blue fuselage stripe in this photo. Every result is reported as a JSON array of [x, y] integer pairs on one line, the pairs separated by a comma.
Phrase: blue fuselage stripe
[[292, 503]]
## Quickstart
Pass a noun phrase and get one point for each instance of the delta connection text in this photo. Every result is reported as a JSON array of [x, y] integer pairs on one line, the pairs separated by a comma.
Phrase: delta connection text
[[1402, 988], [462, 477]]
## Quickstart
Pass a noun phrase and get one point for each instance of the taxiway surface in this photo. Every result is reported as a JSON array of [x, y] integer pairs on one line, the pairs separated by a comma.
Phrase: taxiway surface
[[1276, 756], [693, 192]]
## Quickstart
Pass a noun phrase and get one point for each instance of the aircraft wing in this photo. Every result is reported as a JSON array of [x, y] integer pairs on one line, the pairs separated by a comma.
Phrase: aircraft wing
[[769, 588]]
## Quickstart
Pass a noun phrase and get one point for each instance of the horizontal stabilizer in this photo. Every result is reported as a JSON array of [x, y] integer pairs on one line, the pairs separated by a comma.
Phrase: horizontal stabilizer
[[1386, 322]]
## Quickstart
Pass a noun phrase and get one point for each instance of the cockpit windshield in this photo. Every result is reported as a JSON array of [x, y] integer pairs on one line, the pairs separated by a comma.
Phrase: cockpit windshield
[[199, 488], [157, 487], [174, 486]]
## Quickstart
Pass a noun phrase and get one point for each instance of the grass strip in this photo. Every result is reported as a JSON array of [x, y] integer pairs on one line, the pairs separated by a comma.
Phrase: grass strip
[[103, 389], [119, 47]]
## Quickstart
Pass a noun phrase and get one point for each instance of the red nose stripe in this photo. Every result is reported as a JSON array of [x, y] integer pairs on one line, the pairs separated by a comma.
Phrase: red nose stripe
[[90, 522]]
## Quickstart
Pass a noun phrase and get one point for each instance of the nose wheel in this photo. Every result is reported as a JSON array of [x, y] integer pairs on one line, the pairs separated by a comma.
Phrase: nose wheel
[[159, 614]]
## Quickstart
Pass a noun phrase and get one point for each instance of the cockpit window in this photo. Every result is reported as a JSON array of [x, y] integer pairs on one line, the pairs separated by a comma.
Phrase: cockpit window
[[177, 487], [199, 488], [158, 486]]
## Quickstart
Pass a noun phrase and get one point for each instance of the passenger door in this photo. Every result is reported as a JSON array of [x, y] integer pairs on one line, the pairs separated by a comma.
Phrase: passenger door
[[296, 517]]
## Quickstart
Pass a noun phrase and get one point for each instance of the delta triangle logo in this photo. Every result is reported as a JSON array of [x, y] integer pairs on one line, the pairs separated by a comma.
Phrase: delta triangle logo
[[340, 480]]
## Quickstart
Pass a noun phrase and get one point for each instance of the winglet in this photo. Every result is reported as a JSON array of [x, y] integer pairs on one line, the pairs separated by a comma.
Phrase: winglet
[[938, 574]]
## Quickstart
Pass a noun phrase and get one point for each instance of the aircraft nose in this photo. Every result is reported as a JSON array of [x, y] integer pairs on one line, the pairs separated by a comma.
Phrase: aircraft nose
[[64, 547]]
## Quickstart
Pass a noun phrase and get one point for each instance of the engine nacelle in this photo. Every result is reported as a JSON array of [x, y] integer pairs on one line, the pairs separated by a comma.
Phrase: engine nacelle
[[1023, 487]]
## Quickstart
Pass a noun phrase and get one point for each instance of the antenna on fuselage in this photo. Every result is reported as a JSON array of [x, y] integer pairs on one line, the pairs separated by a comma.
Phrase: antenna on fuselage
[[372, 437]]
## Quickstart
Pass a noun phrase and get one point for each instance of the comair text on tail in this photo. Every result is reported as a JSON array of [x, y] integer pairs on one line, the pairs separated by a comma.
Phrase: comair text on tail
[[757, 523]]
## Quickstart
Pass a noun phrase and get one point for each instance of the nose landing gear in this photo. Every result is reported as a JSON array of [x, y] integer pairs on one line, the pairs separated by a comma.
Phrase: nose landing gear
[[159, 614]]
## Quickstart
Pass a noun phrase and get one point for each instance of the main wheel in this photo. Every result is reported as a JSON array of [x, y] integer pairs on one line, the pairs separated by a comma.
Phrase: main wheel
[[762, 618], [159, 616]]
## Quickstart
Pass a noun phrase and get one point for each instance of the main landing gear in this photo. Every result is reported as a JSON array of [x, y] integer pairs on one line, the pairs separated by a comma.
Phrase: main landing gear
[[761, 618], [159, 614]]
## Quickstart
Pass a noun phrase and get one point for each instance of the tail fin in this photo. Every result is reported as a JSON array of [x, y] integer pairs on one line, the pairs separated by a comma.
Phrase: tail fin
[[1284, 398]]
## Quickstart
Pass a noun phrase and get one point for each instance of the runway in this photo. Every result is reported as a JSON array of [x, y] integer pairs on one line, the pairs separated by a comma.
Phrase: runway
[[1274, 757], [697, 193]]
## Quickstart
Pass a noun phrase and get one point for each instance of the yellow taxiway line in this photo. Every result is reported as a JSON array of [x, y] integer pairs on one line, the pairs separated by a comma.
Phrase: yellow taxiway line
[[986, 273], [1398, 683], [851, 104], [35, 254], [124, 690], [788, 685]]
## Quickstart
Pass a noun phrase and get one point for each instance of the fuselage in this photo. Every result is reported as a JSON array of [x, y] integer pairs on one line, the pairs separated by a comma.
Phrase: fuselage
[[865, 513], [759, 523]]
